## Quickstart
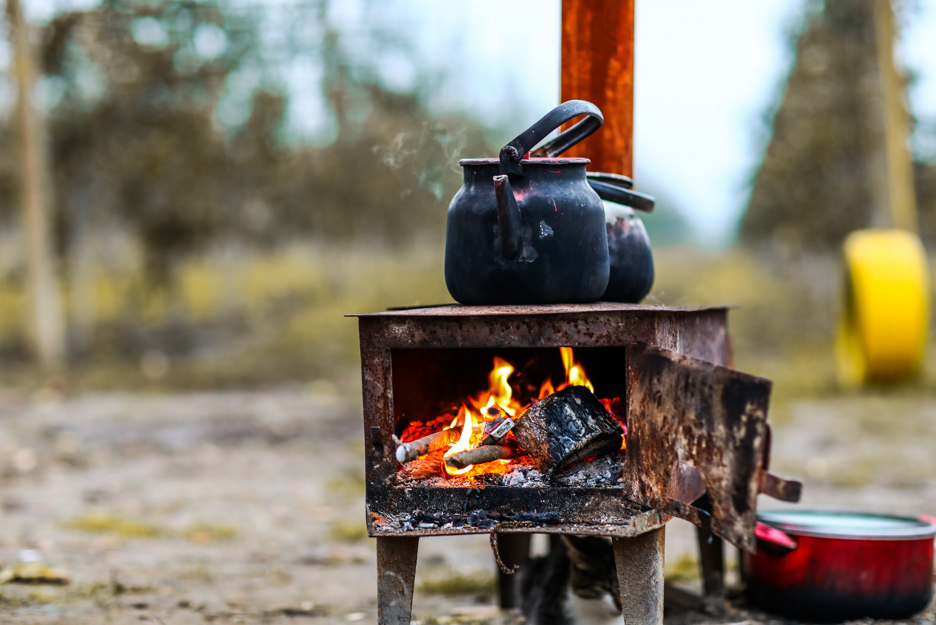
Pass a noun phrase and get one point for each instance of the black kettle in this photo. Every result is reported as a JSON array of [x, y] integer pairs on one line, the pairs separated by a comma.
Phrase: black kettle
[[532, 230], [631, 259]]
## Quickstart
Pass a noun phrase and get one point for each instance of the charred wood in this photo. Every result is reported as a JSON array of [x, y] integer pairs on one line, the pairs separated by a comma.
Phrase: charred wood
[[569, 426]]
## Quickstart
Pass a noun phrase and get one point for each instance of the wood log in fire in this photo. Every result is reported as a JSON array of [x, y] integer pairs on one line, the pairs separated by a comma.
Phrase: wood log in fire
[[569, 426], [407, 452], [479, 455]]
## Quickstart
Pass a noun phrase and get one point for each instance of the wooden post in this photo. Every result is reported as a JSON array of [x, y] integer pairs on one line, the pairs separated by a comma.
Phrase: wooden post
[[889, 120], [598, 66], [46, 319]]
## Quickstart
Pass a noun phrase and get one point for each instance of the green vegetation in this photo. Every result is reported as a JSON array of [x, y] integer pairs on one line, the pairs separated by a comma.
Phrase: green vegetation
[[100, 523], [14, 598], [345, 487], [349, 531], [204, 533], [455, 583], [685, 569], [104, 523]]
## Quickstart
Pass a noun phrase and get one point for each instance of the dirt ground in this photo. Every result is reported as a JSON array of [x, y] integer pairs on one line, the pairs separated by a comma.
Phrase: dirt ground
[[247, 507]]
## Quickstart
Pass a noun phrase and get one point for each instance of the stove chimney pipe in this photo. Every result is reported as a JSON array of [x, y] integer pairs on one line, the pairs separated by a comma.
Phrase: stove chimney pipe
[[598, 66]]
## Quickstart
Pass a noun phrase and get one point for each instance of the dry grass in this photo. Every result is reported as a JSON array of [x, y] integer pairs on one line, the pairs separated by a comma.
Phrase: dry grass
[[204, 533], [455, 583], [247, 320], [349, 531], [234, 321], [684, 569], [345, 487], [102, 523], [16, 598]]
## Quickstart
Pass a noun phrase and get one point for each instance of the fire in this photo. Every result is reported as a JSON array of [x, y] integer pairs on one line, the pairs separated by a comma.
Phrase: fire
[[496, 401], [499, 400], [575, 374], [464, 442], [546, 389]]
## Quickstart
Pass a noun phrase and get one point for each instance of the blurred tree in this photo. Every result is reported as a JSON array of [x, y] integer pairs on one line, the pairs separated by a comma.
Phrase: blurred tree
[[133, 135], [135, 88], [832, 165], [46, 319]]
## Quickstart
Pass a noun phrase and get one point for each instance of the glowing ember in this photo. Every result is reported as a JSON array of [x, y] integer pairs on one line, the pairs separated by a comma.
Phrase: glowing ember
[[497, 402]]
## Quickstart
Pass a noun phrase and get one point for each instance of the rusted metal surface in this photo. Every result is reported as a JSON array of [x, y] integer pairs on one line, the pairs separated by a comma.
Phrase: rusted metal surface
[[639, 564], [663, 327], [598, 66], [458, 310], [696, 331], [712, 418], [396, 573], [779, 488], [377, 393], [396, 511]]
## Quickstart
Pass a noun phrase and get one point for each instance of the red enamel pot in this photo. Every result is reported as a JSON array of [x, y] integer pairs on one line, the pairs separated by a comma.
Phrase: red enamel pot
[[835, 566]]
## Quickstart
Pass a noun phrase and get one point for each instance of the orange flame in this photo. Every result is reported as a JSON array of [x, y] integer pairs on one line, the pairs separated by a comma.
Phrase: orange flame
[[499, 401], [496, 401], [546, 389], [575, 374], [464, 441]]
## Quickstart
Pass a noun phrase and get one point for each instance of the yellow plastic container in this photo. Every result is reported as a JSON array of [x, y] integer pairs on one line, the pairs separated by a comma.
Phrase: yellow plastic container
[[883, 322]]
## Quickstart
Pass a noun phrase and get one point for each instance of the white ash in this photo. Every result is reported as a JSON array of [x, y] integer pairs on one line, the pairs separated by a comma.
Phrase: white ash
[[601, 472], [524, 477]]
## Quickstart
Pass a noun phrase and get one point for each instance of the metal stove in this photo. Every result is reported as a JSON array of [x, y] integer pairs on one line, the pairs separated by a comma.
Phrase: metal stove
[[697, 442]]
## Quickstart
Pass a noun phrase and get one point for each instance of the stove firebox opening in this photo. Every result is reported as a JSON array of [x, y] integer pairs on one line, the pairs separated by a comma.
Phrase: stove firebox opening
[[469, 417]]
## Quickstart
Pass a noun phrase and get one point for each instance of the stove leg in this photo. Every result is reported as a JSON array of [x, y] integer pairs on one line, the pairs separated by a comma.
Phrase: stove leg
[[514, 549], [711, 555], [396, 573], [639, 562], [712, 561]]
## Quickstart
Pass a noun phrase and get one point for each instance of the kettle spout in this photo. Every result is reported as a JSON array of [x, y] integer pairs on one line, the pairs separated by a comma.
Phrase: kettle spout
[[508, 217]]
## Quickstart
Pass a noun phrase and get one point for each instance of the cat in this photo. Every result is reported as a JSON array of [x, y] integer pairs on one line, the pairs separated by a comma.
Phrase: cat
[[574, 584]]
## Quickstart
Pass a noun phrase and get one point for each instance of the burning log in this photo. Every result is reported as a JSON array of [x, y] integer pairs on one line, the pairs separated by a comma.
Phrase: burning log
[[569, 426], [480, 455], [407, 452]]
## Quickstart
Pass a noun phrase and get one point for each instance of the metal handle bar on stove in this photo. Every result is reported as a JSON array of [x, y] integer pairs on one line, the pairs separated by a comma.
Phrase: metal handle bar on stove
[[508, 212]]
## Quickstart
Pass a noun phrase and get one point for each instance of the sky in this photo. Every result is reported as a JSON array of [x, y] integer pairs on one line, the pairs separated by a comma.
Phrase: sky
[[706, 73]]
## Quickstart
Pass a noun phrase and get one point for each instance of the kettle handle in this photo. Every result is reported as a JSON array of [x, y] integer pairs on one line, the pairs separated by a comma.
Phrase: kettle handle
[[512, 153], [620, 194]]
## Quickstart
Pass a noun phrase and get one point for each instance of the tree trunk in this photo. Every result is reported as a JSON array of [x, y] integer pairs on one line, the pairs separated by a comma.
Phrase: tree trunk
[[46, 318]]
